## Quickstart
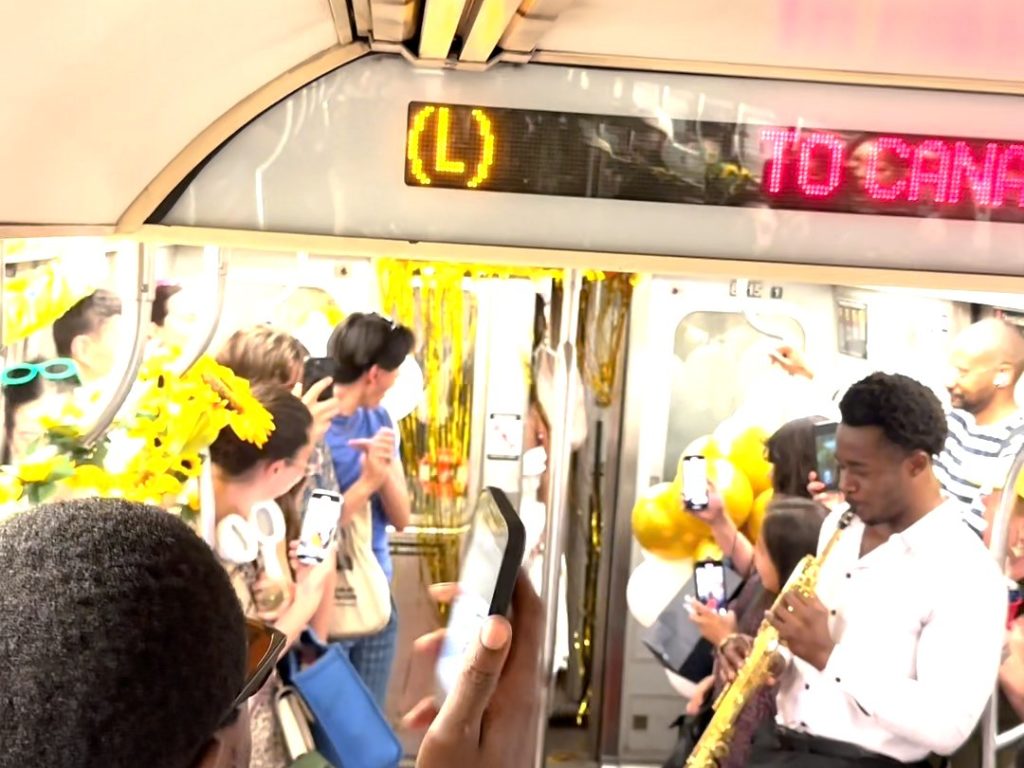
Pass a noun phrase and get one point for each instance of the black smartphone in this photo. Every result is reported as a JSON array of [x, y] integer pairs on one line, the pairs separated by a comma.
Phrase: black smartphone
[[709, 584], [695, 483], [825, 454], [491, 560], [315, 369]]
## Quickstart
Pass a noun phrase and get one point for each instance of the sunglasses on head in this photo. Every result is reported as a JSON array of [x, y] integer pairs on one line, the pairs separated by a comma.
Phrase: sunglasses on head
[[58, 369], [264, 648]]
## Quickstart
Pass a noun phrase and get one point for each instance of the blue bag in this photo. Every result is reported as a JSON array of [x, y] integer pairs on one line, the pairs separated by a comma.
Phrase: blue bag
[[348, 727]]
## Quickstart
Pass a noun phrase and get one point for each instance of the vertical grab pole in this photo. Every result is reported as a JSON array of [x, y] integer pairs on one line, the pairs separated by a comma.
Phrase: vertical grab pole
[[998, 547], [216, 260], [144, 288], [567, 379]]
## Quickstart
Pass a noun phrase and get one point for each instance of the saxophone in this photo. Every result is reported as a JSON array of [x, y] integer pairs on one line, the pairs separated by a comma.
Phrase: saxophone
[[713, 746]]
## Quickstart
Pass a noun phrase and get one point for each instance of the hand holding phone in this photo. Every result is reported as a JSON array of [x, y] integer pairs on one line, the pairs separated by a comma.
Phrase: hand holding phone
[[316, 369], [491, 561], [319, 526], [709, 584]]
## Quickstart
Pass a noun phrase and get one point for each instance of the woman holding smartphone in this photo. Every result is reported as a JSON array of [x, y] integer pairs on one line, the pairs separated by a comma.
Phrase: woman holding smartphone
[[244, 476], [792, 453], [790, 531]]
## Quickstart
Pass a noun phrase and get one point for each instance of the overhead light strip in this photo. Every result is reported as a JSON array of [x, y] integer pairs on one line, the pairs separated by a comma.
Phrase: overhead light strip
[[440, 20]]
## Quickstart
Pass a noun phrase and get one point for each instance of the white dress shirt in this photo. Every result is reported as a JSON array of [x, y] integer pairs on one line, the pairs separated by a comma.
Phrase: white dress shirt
[[918, 624]]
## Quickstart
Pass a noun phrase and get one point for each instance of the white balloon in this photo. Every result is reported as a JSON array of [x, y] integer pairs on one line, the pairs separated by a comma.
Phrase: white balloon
[[405, 395], [653, 585], [681, 685]]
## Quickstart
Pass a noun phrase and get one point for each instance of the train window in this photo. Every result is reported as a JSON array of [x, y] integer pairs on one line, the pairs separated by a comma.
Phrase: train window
[[718, 361]]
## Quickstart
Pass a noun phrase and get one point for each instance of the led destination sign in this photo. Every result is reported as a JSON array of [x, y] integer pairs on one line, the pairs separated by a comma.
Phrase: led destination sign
[[712, 163]]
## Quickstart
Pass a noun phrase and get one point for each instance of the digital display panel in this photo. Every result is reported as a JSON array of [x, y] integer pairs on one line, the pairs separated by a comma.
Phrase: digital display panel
[[713, 163]]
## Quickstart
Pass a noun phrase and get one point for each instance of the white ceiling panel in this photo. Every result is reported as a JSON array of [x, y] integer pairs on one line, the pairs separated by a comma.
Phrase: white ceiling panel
[[99, 96], [948, 38]]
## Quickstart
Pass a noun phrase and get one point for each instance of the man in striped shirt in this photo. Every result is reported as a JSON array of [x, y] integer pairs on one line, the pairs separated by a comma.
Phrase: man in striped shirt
[[986, 427]]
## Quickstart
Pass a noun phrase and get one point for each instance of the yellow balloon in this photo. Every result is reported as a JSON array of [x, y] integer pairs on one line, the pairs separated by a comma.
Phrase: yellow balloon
[[660, 524], [734, 488], [703, 446], [744, 445], [753, 526], [708, 550]]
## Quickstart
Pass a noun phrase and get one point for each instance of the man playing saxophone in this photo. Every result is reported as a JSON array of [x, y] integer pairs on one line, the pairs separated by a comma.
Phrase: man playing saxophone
[[895, 654]]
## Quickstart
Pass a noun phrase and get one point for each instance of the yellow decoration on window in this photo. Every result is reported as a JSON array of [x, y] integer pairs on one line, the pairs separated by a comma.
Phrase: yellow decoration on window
[[34, 299]]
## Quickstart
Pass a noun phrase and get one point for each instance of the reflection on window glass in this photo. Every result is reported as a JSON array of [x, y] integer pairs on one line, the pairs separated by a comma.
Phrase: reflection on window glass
[[718, 360]]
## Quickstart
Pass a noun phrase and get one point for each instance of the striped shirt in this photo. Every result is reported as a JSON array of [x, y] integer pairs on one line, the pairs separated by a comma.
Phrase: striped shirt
[[976, 459]]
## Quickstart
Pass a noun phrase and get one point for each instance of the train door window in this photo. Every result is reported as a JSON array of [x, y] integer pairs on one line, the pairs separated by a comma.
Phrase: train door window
[[719, 360]]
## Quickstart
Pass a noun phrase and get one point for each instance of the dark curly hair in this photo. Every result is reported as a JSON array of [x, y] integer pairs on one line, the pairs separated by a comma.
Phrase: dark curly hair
[[122, 643], [907, 411]]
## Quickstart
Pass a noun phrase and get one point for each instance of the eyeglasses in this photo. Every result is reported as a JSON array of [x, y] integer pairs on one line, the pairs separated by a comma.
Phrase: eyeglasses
[[264, 647], [58, 369]]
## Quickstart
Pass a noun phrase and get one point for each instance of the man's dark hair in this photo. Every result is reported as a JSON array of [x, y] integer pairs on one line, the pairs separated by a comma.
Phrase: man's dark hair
[[366, 340], [907, 411], [122, 643], [292, 421], [84, 318]]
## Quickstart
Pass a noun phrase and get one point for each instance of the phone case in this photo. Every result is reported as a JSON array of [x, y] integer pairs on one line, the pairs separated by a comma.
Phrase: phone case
[[513, 559]]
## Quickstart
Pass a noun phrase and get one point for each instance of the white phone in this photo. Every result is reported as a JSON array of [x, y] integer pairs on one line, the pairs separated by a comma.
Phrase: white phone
[[319, 525], [695, 483], [491, 562]]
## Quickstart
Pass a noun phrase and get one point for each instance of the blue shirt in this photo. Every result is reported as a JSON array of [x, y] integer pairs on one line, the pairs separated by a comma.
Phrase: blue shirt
[[364, 423]]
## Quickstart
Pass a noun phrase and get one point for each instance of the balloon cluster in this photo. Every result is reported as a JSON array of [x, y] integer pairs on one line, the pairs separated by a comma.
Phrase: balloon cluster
[[673, 538], [738, 468]]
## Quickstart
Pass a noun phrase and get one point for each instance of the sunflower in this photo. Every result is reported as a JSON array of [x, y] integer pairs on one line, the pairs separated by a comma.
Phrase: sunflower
[[48, 467], [90, 477], [245, 414], [11, 487], [188, 464]]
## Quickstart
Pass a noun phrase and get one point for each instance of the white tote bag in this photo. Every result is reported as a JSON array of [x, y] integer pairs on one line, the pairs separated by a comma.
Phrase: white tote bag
[[362, 596]]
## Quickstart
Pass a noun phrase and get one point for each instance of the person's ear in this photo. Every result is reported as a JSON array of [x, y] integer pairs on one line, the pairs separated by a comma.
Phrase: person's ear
[[919, 461], [1002, 379]]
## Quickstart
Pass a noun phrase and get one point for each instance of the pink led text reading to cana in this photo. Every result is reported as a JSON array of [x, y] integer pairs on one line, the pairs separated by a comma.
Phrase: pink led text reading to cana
[[894, 169]]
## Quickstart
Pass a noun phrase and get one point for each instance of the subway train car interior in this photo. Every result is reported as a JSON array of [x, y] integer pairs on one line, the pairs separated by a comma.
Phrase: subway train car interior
[[574, 271]]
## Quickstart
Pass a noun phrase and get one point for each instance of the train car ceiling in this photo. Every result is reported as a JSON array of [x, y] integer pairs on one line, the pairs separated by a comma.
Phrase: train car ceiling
[[114, 103]]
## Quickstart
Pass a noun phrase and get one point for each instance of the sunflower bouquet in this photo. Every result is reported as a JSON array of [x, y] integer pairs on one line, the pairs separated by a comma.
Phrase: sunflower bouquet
[[153, 455]]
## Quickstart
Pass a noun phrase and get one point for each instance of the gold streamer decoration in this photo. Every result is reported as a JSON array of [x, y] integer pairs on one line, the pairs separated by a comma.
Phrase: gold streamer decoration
[[604, 308], [432, 299]]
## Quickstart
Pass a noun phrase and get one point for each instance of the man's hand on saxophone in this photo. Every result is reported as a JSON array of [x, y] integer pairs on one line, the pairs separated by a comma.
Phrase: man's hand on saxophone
[[802, 624]]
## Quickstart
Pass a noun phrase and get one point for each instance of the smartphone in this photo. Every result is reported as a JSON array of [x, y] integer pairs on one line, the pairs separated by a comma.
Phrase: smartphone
[[709, 584], [319, 525], [695, 483], [315, 369], [825, 454], [491, 559]]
